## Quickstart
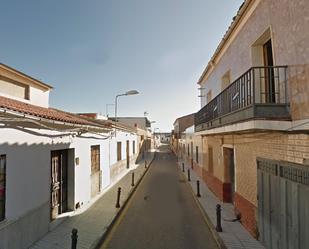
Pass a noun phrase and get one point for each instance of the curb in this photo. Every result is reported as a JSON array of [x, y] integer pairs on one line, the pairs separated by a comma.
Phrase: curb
[[207, 220], [100, 242]]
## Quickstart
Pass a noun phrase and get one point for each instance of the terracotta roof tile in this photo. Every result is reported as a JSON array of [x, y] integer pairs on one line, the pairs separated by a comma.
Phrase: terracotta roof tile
[[41, 112]]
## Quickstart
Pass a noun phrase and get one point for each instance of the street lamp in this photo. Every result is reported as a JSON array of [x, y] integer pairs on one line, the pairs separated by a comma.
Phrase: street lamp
[[107, 105], [131, 92]]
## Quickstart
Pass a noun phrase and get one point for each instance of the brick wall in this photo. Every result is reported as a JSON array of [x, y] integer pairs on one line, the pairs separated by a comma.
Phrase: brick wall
[[247, 213], [247, 147]]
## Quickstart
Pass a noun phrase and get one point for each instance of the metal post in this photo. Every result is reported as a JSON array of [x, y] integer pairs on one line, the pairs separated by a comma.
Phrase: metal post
[[189, 178], [132, 184], [145, 164], [198, 188], [74, 237], [116, 98], [191, 163], [183, 167], [218, 213], [118, 198]]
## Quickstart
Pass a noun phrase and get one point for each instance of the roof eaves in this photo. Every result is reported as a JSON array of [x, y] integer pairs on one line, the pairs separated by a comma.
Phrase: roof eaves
[[226, 36], [49, 87]]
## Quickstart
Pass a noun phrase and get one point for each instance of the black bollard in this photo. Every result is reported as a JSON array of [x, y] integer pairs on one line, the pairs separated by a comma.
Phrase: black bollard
[[183, 167], [145, 164], [191, 163], [198, 188], [132, 184], [118, 198], [74, 237], [218, 212], [189, 178]]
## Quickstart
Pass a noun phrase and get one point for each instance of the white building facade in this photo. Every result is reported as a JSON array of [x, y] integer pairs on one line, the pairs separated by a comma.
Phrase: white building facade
[[51, 162]]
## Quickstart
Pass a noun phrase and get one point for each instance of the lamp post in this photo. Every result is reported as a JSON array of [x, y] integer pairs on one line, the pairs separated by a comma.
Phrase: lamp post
[[128, 93], [107, 105]]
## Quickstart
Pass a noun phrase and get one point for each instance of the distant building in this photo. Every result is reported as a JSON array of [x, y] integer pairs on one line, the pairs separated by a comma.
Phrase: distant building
[[163, 137], [180, 125], [135, 122]]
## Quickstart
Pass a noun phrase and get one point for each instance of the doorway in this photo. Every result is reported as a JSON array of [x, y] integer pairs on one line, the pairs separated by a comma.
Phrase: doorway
[[128, 154], [59, 182], [229, 172], [270, 91], [95, 170]]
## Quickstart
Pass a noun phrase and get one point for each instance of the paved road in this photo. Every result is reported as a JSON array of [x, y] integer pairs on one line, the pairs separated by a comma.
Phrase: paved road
[[162, 213]]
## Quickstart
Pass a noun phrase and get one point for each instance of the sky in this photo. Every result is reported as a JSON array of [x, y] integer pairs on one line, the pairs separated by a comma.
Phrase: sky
[[90, 51]]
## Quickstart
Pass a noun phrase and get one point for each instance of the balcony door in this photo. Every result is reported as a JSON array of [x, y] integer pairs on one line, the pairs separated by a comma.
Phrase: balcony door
[[270, 91]]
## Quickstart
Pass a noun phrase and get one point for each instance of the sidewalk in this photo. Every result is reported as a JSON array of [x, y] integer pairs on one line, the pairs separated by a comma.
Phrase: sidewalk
[[234, 235], [93, 222]]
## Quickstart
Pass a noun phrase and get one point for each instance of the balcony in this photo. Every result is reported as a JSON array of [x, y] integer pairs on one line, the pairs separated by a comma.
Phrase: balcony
[[260, 93]]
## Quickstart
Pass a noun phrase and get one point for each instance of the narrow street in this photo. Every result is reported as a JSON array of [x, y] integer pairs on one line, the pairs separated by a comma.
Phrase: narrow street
[[162, 213]]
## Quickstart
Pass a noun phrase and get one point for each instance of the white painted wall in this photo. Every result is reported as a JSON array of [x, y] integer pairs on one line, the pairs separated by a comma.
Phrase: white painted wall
[[188, 137], [39, 97], [28, 170]]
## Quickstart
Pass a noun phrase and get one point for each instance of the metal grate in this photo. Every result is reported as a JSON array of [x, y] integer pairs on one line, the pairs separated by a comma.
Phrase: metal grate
[[258, 85], [268, 166], [291, 171], [295, 174]]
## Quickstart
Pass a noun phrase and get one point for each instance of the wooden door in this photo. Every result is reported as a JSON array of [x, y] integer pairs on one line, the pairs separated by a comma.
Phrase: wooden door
[[59, 183], [229, 171], [128, 153], [95, 170]]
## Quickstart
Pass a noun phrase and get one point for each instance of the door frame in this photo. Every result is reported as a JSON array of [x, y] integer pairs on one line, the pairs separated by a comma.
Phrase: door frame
[[70, 154], [64, 163], [227, 172], [128, 153], [268, 61]]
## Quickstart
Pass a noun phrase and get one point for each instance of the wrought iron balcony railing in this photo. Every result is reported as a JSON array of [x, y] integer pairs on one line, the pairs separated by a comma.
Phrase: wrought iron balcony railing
[[260, 93]]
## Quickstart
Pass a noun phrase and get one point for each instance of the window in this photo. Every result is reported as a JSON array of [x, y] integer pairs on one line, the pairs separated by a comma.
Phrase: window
[[196, 154], [14, 88], [95, 159], [2, 186], [119, 151], [133, 147]]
